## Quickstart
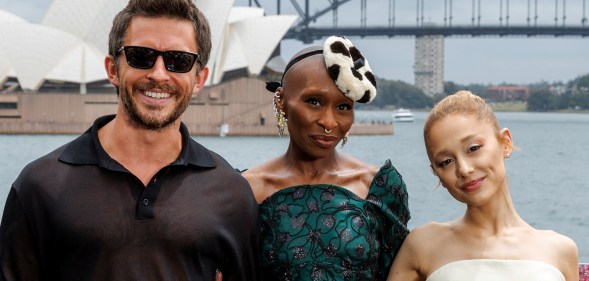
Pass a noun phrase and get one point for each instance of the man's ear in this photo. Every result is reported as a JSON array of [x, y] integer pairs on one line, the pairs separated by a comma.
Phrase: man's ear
[[110, 66], [201, 78]]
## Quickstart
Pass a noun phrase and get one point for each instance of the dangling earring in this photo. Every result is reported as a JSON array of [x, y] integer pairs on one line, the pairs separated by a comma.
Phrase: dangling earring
[[280, 122], [345, 140], [280, 116]]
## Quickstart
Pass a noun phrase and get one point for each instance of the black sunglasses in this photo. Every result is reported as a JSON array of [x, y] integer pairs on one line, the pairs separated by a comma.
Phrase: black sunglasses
[[145, 58]]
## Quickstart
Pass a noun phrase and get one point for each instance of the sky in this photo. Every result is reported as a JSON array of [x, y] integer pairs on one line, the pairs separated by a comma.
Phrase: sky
[[485, 60]]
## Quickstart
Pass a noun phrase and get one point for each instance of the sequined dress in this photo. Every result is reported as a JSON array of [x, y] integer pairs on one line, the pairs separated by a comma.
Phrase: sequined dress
[[326, 232]]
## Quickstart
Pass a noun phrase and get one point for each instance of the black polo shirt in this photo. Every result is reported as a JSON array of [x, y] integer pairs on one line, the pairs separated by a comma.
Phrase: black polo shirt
[[77, 214]]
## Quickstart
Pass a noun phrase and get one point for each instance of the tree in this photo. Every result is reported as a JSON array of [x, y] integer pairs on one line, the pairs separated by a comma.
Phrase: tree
[[451, 87], [583, 83], [400, 94], [542, 100]]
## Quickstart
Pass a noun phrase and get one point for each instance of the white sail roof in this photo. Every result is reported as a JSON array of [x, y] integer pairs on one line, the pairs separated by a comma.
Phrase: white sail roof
[[259, 43], [217, 13], [8, 17], [72, 40], [250, 40], [31, 61], [5, 68], [82, 63], [88, 20]]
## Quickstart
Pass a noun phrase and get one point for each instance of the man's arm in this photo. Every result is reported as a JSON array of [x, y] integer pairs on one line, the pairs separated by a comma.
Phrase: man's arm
[[19, 255], [247, 266]]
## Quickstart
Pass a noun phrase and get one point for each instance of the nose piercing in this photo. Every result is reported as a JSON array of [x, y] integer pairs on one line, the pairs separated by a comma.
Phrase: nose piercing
[[326, 131]]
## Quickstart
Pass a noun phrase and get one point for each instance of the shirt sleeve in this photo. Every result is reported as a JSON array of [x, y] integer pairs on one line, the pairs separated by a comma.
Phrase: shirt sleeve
[[388, 194], [239, 214], [247, 266], [18, 250]]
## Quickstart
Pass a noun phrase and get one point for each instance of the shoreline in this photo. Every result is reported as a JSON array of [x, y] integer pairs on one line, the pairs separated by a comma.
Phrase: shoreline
[[235, 108], [52, 128]]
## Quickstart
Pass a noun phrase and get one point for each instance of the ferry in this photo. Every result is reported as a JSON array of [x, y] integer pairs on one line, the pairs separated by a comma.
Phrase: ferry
[[403, 115]]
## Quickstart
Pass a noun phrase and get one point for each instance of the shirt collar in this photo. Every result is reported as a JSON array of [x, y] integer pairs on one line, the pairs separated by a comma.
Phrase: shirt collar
[[87, 150]]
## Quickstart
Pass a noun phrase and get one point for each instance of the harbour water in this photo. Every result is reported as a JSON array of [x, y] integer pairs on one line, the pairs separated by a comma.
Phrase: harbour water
[[548, 175]]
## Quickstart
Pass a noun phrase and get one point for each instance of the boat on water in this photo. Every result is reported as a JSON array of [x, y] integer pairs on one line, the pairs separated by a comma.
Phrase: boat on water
[[403, 115]]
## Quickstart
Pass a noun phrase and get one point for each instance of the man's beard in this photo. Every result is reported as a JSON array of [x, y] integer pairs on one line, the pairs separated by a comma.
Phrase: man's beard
[[145, 121]]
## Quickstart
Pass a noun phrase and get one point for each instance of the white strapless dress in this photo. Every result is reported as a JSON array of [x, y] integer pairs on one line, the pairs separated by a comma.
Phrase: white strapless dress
[[492, 270]]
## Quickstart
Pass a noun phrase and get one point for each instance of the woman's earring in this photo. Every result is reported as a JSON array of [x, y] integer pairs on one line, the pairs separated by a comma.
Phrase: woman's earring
[[280, 122], [280, 116], [345, 140]]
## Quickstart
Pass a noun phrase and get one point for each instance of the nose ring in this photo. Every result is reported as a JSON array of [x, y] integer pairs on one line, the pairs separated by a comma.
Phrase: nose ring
[[326, 131]]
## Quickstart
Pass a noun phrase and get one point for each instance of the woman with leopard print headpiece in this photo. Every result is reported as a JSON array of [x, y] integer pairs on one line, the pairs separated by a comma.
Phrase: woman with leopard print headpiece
[[326, 215]]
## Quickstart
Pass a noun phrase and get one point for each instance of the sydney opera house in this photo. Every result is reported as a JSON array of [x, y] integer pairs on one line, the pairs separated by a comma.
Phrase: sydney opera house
[[52, 77]]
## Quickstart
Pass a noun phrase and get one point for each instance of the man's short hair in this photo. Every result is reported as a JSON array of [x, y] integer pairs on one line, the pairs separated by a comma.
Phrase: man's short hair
[[176, 9]]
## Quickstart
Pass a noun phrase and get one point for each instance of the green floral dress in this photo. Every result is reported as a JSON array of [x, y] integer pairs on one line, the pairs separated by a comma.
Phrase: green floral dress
[[326, 232]]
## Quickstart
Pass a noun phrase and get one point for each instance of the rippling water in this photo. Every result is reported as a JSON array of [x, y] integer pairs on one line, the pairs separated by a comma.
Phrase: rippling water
[[549, 175]]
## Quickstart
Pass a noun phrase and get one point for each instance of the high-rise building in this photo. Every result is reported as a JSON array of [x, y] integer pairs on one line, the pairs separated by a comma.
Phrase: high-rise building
[[429, 64]]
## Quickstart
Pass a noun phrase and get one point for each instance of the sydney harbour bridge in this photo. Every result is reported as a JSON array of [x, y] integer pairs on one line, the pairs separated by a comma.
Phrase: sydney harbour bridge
[[429, 22], [432, 17]]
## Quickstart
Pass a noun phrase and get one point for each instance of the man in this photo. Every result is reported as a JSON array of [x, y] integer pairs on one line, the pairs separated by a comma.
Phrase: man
[[134, 197]]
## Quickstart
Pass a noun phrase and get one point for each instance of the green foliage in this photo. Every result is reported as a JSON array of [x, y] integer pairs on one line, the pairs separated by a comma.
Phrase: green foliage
[[400, 94], [544, 96], [582, 82], [451, 87], [542, 100], [580, 101], [478, 89]]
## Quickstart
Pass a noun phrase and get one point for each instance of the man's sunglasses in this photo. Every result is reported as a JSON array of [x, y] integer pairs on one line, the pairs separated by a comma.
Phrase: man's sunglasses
[[145, 58]]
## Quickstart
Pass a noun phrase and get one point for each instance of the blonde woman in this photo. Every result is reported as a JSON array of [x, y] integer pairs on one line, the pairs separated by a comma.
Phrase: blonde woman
[[467, 151]]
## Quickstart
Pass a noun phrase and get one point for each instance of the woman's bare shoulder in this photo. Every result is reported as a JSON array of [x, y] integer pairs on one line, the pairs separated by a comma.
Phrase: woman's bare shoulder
[[560, 251], [262, 178], [360, 166], [266, 168], [563, 245], [422, 250], [435, 228], [430, 235]]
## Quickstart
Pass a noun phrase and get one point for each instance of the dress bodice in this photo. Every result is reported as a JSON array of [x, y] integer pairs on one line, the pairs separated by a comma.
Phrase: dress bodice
[[326, 232], [493, 269]]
